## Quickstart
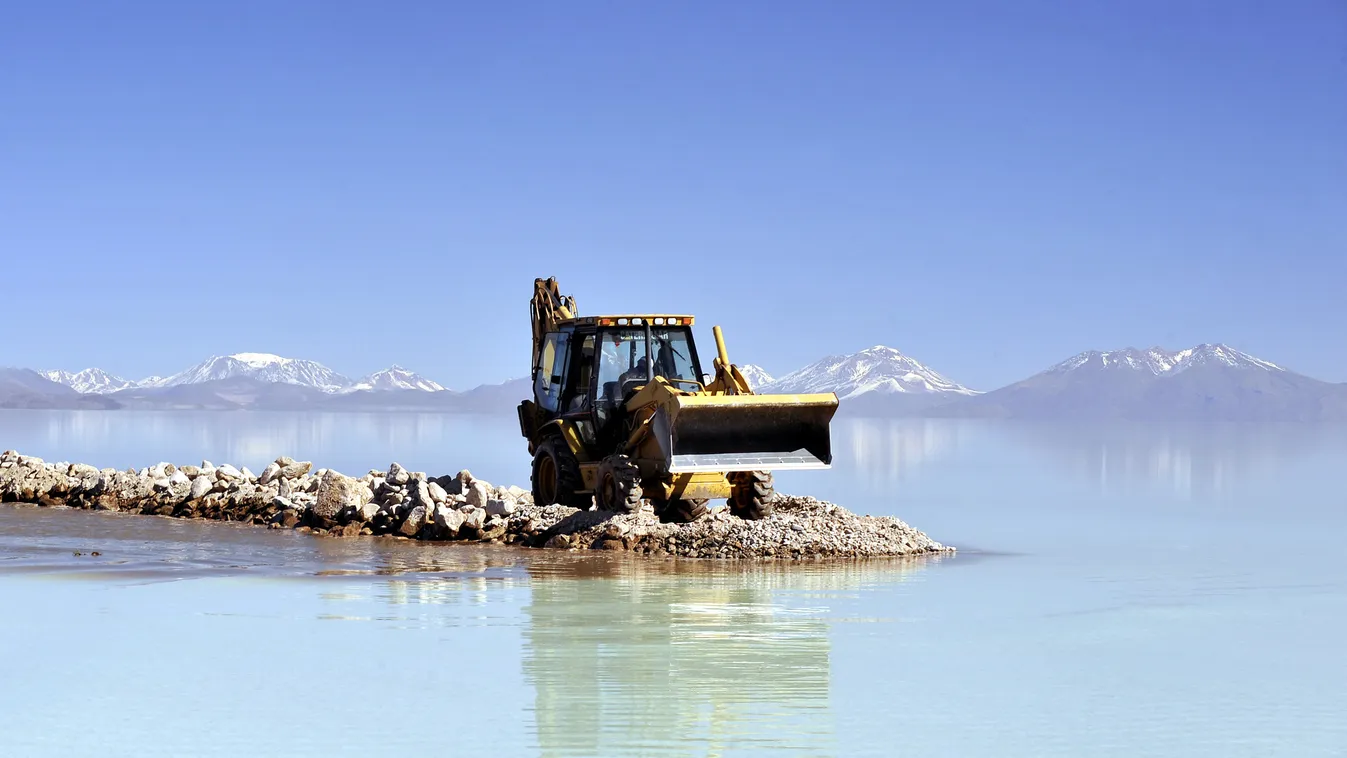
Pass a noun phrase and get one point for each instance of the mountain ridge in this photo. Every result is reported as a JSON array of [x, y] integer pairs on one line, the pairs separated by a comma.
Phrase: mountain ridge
[[266, 367], [756, 375], [1209, 381], [878, 369]]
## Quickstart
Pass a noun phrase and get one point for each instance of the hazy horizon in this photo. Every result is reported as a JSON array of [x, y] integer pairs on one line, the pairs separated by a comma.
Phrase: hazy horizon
[[776, 374]]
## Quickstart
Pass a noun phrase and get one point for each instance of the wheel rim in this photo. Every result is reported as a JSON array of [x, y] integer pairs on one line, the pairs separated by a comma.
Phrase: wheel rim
[[547, 479]]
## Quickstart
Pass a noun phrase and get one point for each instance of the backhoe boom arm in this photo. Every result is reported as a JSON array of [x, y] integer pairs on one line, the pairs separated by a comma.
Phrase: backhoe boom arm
[[548, 309]]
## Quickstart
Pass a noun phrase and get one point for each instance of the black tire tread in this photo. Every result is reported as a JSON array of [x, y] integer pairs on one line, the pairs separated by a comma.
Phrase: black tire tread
[[753, 495], [628, 477], [679, 511], [568, 473]]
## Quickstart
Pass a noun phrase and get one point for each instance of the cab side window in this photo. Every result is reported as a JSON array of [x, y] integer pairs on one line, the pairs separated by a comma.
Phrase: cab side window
[[547, 376], [576, 396]]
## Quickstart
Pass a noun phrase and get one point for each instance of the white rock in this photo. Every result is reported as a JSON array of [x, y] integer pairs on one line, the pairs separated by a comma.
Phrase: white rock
[[478, 493], [269, 473], [437, 492], [448, 519], [295, 469], [201, 486], [367, 511], [250, 476], [228, 472], [397, 474], [162, 483], [337, 493], [180, 479], [500, 506], [473, 517]]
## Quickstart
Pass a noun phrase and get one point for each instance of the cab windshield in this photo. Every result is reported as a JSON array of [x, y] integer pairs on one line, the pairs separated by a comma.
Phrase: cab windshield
[[622, 359]]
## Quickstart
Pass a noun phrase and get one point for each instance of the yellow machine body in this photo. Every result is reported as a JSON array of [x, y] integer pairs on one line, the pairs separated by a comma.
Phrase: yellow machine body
[[689, 438]]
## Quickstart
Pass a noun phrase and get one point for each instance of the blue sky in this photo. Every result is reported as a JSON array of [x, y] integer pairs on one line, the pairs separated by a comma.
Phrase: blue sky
[[987, 186]]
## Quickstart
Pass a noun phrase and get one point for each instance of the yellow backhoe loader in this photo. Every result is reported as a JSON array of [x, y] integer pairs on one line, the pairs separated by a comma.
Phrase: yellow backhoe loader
[[621, 412]]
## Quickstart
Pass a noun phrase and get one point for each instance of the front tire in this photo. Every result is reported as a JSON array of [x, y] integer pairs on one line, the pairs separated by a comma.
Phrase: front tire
[[679, 511], [753, 494], [619, 485], [556, 475]]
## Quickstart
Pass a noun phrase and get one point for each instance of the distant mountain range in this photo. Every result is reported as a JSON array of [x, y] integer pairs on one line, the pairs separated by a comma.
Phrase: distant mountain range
[[259, 381], [1203, 383], [264, 367], [1207, 382]]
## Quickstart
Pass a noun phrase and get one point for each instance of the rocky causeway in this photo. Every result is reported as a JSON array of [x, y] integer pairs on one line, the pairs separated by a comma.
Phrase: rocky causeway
[[402, 504]]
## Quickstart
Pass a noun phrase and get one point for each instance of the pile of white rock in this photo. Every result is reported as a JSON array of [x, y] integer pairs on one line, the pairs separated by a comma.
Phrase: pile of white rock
[[289, 494]]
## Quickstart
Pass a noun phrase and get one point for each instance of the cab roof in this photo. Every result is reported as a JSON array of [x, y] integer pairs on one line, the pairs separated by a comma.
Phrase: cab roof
[[633, 319]]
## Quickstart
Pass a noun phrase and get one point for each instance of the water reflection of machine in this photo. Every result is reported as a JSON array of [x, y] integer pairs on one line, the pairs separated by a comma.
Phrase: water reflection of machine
[[632, 657]]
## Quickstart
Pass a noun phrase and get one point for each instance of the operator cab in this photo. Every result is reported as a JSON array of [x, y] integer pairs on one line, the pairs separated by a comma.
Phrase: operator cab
[[591, 366]]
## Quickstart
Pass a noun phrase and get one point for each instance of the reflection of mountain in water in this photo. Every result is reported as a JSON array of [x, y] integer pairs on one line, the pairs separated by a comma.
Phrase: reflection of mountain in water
[[640, 660], [351, 442], [1187, 460], [888, 451]]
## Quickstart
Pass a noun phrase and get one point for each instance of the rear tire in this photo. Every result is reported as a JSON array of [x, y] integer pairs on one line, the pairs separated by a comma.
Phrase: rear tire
[[679, 511], [619, 485], [556, 475], [753, 494]]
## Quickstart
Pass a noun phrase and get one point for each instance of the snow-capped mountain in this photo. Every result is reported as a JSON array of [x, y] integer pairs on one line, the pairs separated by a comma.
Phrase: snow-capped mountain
[[396, 378], [1158, 361], [1209, 382], [757, 376], [90, 380], [881, 370], [263, 367]]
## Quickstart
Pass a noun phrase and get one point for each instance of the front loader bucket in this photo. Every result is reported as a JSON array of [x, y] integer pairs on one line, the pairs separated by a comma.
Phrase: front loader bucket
[[746, 432]]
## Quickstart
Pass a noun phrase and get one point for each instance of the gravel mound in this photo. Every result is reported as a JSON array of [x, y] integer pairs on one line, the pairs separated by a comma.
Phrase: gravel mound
[[404, 504]]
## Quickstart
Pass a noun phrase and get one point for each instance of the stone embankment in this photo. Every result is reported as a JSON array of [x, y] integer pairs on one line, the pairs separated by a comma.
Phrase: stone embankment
[[290, 494]]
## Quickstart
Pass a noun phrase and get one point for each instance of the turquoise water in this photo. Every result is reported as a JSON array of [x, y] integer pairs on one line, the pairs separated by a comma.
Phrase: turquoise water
[[1119, 590]]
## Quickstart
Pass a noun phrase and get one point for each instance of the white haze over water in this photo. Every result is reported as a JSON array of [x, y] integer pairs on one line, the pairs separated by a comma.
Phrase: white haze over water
[[1120, 590]]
